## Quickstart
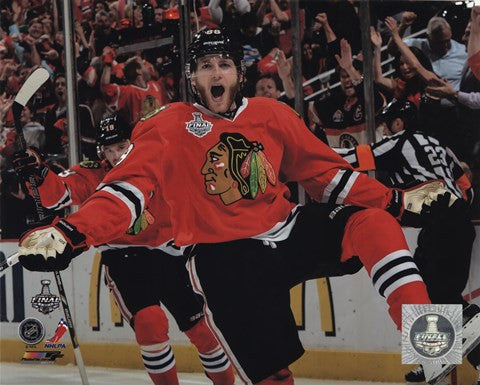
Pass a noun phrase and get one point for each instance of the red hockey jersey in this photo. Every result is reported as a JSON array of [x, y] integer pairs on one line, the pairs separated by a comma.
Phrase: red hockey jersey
[[222, 179], [75, 185], [72, 186]]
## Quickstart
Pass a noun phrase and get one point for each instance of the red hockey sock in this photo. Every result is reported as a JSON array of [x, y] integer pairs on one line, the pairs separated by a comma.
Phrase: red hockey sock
[[161, 366], [214, 360], [409, 293], [377, 239], [282, 377], [151, 332]]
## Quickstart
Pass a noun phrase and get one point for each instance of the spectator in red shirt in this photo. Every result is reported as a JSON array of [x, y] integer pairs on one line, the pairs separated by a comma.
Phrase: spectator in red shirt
[[278, 24], [139, 97]]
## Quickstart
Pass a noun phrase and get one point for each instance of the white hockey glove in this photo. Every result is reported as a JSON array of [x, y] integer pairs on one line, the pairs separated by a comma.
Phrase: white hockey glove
[[410, 206], [51, 247]]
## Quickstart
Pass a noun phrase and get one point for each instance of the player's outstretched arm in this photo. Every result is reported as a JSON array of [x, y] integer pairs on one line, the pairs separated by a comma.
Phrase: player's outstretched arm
[[330, 179], [71, 187], [108, 213]]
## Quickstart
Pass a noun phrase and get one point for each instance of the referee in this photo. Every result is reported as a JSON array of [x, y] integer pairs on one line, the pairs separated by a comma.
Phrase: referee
[[444, 245]]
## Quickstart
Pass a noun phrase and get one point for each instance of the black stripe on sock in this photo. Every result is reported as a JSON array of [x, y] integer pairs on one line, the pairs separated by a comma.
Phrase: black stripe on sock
[[155, 367], [159, 357], [216, 366], [396, 277], [208, 359], [389, 265]]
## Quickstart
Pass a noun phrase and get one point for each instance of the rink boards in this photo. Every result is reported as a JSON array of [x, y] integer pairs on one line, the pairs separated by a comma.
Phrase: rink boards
[[342, 322]]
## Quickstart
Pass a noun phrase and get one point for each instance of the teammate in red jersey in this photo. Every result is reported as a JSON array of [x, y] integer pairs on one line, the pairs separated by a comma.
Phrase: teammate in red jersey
[[142, 268], [221, 165]]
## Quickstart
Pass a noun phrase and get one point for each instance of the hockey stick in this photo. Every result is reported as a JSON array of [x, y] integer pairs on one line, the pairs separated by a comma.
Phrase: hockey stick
[[10, 261], [32, 85]]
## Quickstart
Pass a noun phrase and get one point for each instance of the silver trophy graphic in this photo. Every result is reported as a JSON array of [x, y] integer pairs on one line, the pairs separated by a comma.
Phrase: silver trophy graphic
[[432, 341], [45, 302]]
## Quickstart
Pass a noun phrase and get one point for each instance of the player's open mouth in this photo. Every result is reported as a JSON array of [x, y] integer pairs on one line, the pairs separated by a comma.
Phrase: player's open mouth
[[217, 92]]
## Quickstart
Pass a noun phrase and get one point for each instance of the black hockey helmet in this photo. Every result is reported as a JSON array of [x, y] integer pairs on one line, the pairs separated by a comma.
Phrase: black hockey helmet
[[111, 130], [403, 109], [211, 41]]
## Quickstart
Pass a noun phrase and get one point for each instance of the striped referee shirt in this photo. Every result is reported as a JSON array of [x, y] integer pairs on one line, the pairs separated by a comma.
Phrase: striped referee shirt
[[411, 157]]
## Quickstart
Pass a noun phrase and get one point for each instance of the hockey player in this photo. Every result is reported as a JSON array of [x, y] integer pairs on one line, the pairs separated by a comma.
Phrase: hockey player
[[142, 268], [220, 164], [444, 245]]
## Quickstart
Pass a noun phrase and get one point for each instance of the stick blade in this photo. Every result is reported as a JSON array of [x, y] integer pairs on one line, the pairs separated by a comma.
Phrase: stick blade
[[31, 85]]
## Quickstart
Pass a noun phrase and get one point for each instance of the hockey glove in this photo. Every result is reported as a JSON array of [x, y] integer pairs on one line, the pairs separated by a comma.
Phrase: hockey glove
[[30, 163], [51, 247], [410, 206]]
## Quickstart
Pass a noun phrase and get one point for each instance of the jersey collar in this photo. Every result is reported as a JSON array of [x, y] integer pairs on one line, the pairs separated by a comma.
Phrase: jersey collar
[[208, 112]]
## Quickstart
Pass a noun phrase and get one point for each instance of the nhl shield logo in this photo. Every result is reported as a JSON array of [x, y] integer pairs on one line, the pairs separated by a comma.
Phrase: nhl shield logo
[[198, 126], [45, 302]]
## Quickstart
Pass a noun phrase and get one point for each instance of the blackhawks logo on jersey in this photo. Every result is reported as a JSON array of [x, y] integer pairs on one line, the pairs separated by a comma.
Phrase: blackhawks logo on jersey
[[141, 223], [150, 107], [236, 168]]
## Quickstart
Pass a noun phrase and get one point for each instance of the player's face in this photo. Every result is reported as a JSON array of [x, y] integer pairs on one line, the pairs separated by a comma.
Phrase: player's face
[[405, 69], [113, 152], [217, 80], [346, 83], [267, 88]]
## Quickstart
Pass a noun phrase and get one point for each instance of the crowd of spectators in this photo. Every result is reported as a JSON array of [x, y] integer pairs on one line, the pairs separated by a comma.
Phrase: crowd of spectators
[[135, 81]]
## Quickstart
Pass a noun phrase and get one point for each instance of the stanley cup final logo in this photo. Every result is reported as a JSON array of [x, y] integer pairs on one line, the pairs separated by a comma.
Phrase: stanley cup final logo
[[432, 342], [45, 302], [432, 334]]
